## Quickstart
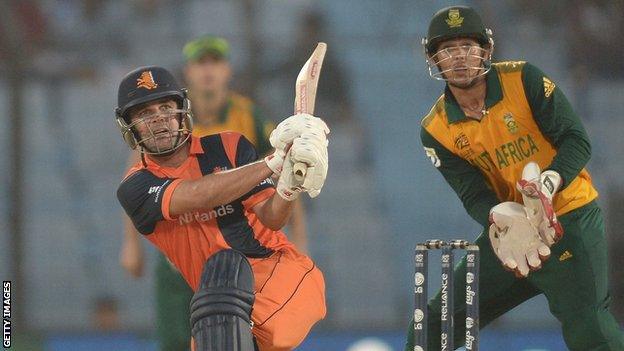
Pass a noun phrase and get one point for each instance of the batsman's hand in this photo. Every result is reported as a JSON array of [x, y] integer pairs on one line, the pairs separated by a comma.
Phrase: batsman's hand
[[311, 150], [275, 161], [515, 239], [287, 186], [296, 126], [537, 189]]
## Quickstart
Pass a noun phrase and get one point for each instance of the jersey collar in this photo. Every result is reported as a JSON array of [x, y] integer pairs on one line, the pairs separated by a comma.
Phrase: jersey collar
[[196, 148], [493, 95]]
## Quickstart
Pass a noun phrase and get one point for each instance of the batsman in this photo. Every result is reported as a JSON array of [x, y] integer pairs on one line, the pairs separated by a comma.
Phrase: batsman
[[212, 208], [509, 144]]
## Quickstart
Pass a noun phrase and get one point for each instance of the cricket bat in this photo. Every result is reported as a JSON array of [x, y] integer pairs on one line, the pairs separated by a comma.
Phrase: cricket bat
[[305, 94]]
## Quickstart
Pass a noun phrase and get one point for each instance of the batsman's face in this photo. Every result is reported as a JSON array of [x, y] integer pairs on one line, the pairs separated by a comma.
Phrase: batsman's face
[[460, 61], [208, 75], [157, 124]]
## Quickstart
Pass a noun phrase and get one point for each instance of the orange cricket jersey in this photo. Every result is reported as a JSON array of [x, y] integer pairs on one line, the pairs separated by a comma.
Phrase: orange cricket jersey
[[508, 136], [190, 239]]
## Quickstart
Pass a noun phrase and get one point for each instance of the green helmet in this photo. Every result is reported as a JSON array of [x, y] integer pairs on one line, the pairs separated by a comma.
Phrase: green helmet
[[455, 21]]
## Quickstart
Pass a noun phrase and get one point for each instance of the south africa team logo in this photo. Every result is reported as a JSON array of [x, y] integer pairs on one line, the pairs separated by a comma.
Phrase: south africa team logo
[[461, 141], [510, 123], [454, 19]]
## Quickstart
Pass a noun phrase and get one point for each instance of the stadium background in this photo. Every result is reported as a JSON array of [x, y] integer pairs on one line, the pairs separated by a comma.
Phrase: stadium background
[[61, 61]]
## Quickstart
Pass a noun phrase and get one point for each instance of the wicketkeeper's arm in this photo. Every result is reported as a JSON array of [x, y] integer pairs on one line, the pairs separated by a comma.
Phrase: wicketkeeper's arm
[[466, 180], [558, 122]]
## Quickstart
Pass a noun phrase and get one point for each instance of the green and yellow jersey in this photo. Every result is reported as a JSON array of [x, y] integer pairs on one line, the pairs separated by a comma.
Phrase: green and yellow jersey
[[528, 119], [240, 115]]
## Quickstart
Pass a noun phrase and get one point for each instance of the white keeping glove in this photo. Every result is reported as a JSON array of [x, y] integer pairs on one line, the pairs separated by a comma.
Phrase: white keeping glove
[[287, 186], [537, 191], [311, 150], [295, 126], [515, 240]]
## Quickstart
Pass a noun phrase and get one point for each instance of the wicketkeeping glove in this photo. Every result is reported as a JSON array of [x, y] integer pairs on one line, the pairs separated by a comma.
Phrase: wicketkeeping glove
[[537, 191], [515, 239]]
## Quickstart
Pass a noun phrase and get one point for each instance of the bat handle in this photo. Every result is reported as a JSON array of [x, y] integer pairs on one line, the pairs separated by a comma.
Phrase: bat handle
[[299, 171]]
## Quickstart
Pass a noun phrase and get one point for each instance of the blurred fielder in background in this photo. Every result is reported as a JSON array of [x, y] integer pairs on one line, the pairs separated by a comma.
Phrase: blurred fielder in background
[[212, 209], [216, 108], [507, 141]]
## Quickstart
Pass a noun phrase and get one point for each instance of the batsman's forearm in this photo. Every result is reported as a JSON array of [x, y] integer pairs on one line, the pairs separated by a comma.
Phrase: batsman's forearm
[[224, 187], [274, 212], [218, 188], [297, 222]]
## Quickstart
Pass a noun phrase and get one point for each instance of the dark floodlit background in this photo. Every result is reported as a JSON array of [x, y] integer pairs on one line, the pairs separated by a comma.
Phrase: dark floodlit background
[[62, 157]]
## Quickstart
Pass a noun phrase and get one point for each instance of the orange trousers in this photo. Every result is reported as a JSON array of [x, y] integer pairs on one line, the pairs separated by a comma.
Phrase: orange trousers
[[290, 299]]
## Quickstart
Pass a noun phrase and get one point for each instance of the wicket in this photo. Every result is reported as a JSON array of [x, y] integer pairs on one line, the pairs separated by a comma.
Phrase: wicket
[[447, 295]]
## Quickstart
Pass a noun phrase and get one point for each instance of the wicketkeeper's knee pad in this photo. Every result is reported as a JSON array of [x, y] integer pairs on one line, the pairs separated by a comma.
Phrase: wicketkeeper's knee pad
[[221, 308]]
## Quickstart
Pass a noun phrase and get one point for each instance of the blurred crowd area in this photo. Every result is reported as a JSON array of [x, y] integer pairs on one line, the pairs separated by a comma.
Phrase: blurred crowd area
[[61, 61]]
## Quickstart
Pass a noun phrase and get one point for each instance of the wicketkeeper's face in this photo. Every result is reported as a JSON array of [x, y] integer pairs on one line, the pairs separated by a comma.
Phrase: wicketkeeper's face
[[460, 60]]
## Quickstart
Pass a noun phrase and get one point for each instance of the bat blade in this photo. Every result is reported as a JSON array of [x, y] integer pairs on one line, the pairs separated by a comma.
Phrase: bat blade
[[307, 80], [305, 94]]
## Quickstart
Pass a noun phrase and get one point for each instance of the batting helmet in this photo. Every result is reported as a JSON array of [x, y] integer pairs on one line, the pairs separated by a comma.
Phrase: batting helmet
[[144, 85]]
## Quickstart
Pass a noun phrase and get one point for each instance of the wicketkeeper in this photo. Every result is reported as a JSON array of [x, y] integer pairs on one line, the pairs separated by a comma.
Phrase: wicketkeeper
[[507, 141]]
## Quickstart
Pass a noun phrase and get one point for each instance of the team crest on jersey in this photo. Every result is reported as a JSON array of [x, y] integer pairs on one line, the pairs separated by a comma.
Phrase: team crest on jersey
[[431, 153], [549, 87], [454, 19], [461, 142], [146, 80], [510, 123]]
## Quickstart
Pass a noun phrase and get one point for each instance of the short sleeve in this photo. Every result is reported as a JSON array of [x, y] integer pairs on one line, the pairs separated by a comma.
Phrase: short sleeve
[[143, 196]]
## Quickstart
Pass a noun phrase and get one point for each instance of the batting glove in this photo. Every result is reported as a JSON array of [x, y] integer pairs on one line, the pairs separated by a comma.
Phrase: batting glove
[[295, 126], [287, 186], [275, 161], [312, 151]]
